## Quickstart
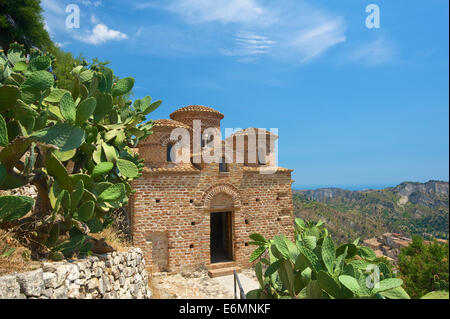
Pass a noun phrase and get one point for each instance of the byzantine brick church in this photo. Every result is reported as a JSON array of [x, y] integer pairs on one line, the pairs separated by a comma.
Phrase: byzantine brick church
[[187, 213]]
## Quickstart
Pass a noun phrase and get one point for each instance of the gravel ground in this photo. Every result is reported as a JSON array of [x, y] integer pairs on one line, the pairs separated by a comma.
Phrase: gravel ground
[[193, 285]]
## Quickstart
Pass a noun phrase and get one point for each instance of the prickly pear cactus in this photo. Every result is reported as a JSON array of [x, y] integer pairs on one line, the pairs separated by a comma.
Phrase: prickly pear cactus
[[313, 268], [74, 146]]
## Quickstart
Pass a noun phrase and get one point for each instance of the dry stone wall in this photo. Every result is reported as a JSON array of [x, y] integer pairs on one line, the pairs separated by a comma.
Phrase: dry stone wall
[[117, 275]]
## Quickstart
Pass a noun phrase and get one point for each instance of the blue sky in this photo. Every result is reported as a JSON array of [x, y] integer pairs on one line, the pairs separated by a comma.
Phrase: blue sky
[[354, 107]]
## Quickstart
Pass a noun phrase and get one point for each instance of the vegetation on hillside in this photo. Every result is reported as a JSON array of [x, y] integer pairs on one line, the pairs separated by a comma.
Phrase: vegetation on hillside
[[373, 212], [313, 268], [424, 267], [343, 224]]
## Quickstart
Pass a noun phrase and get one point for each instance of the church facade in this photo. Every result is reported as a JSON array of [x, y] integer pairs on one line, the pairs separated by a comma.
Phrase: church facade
[[188, 211]]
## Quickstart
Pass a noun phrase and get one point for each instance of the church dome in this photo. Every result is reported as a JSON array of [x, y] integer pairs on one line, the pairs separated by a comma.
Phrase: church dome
[[197, 109]]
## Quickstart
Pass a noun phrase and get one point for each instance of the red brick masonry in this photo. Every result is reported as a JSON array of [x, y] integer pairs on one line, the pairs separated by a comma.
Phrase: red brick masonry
[[171, 209]]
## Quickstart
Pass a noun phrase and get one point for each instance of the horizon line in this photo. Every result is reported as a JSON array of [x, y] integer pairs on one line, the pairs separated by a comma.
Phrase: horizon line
[[354, 187]]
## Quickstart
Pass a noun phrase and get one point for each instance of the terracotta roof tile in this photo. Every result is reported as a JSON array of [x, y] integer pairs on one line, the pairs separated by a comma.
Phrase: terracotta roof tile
[[256, 169], [197, 108], [372, 241], [169, 123], [193, 169], [170, 169]]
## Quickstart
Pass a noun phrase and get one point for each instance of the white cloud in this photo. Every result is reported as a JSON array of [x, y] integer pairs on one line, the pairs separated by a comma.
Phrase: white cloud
[[94, 19], [101, 34], [54, 17], [312, 42], [89, 3], [225, 11], [373, 53], [52, 6], [55, 23], [138, 33], [145, 5], [285, 29], [249, 44], [47, 27], [62, 44]]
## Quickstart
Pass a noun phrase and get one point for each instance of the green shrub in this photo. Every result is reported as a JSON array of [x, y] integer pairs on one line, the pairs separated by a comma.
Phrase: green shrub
[[74, 145], [424, 267], [313, 268]]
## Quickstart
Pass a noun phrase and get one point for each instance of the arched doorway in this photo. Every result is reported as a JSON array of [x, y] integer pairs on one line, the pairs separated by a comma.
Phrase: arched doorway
[[221, 238], [221, 203], [221, 228]]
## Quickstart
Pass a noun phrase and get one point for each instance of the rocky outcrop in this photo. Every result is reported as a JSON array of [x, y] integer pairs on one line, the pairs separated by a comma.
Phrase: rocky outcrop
[[409, 208], [430, 194], [323, 194], [117, 275]]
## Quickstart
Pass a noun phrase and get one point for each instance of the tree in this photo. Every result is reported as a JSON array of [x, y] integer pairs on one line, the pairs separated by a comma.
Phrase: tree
[[21, 21], [424, 267]]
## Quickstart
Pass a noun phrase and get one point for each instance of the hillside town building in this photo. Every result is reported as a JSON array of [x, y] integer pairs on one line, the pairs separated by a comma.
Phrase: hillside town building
[[389, 245], [187, 212]]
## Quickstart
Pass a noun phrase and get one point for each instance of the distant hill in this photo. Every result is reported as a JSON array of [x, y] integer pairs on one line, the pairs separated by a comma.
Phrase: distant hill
[[410, 208]]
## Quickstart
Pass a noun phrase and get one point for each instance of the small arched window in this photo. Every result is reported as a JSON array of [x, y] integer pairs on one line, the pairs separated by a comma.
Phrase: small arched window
[[207, 139], [261, 156], [168, 154], [223, 166]]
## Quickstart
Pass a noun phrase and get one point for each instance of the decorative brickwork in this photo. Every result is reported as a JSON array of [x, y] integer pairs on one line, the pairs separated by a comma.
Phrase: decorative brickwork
[[172, 207], [221, 193]]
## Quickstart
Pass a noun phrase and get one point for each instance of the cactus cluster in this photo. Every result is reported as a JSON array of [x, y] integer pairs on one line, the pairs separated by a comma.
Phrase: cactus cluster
[[74, 145], [313, 268]]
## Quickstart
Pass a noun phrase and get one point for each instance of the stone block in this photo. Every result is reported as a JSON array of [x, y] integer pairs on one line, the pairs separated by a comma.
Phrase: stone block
[[9, 287], [31, 283], [60, 293], [50, 280]]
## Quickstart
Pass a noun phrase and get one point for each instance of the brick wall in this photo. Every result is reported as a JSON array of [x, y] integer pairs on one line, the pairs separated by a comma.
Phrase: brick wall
[[173, 209]]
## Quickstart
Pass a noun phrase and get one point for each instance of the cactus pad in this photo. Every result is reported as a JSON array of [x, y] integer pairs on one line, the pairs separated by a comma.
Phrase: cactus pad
[[127, 168], [38, 81], [14, 207]]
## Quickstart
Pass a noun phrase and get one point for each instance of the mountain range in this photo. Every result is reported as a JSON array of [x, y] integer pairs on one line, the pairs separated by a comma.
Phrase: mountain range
[[410, 208]]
